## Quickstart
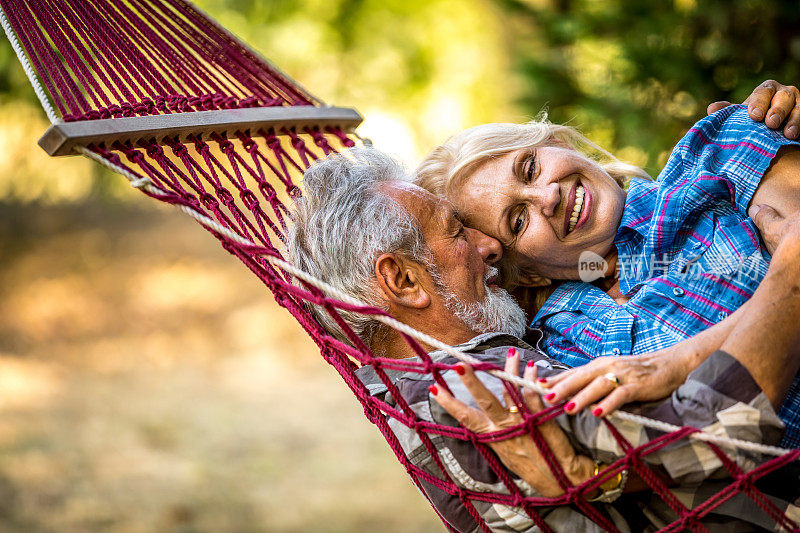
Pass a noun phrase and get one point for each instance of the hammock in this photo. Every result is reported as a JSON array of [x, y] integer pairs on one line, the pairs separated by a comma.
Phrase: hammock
[[158, 92]]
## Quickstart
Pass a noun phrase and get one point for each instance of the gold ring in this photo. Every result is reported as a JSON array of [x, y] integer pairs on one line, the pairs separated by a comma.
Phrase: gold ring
[[513, 409], [612, 377]]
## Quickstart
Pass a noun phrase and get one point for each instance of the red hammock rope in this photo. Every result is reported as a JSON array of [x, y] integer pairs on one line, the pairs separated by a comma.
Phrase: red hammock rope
[[112, 59]]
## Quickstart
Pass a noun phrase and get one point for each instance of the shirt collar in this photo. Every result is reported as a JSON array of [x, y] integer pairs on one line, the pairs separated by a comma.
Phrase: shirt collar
[[484, 341], [639, 207], [575, 296]]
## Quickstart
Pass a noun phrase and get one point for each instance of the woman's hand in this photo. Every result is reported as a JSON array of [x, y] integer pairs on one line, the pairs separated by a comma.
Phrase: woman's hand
[[776, 104], [518, 454], [639, 378]]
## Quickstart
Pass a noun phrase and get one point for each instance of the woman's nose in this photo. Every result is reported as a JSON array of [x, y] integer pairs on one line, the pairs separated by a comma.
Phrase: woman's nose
[[490, 248], [547, 197]]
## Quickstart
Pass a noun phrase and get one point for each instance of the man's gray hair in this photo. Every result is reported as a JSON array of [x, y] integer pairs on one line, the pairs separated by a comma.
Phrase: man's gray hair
[[343, 223]]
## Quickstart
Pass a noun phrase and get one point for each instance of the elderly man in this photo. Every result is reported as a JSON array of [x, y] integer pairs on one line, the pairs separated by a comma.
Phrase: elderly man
[[364, 229]]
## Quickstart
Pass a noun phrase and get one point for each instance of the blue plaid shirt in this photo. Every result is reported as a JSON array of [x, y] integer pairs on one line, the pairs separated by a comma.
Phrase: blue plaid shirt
[[688, 253]]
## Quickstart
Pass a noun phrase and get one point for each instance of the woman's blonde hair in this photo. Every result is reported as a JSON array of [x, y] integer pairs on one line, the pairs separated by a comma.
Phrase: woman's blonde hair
[[450, 165]]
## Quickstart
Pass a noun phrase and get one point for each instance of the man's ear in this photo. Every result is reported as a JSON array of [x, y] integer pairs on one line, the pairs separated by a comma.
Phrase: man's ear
[[529, 279], [400, 280]]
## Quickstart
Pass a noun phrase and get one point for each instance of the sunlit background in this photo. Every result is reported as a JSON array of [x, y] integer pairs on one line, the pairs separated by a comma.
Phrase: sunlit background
[[148, 381]]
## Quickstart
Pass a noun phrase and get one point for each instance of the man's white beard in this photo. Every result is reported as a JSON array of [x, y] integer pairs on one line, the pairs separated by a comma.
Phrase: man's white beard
[[498, 312]]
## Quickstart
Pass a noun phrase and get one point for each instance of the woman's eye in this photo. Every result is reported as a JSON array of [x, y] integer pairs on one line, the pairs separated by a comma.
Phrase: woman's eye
[[530, 169], [519, 220]]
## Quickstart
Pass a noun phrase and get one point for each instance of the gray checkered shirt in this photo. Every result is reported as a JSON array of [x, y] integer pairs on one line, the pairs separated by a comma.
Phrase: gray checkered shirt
[[720, 397]]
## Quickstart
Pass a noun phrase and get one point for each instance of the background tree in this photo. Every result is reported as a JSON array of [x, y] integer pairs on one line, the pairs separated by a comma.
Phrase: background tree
[[635, 74]]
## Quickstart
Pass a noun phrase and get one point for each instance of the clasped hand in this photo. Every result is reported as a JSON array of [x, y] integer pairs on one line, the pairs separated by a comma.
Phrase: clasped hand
[[518, 454]]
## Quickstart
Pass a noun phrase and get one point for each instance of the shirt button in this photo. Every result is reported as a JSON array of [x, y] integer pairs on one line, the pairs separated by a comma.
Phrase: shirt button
[[616, 351], [677, 291], [722, 315]]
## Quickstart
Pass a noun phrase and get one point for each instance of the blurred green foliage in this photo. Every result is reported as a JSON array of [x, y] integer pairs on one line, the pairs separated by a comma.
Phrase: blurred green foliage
[[13, 83], [635, 74], [424, 68], [632, 74]]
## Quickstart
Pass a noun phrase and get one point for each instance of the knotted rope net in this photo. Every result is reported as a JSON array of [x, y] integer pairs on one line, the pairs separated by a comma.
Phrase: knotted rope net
[[114, 59]]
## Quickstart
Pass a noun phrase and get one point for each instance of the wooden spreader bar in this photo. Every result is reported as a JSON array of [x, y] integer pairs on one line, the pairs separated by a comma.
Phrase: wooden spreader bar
[[60, 139]]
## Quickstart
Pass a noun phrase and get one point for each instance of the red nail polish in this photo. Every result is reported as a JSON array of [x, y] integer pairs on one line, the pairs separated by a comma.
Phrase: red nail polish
[[531, 363], [542, 380], [511, 352], [434, 389], [597, 412], [550, 396], [569, 406], [460, 369]]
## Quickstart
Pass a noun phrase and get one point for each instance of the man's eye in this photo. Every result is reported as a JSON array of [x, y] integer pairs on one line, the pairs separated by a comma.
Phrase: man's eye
[[519, 221]]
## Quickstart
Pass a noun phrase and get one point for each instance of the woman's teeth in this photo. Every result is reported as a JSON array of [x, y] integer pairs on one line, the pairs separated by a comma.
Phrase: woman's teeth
[[576, 210]]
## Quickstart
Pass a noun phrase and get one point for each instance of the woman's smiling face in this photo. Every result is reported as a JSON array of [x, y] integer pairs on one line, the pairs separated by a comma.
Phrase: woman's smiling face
[[547, 205]]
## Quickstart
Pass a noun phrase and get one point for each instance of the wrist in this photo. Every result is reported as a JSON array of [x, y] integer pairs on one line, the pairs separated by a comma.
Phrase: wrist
[[581, 469], [694, 350]]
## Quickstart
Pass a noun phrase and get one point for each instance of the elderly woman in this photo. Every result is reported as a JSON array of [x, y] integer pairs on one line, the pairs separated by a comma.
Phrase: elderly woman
[[675, 257]]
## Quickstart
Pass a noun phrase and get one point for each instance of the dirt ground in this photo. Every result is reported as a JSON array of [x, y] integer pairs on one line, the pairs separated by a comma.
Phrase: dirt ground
[[148, 382]]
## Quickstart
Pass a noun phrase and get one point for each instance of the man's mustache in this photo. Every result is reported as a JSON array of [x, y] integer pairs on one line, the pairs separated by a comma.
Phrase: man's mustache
[[492, 276]]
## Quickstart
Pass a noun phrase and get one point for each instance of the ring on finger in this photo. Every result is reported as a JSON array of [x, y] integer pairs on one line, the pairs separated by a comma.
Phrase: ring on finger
[[612, 377], [513, 409]]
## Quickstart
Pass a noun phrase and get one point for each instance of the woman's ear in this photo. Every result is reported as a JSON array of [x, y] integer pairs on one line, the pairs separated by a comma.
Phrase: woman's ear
[[400, 281]]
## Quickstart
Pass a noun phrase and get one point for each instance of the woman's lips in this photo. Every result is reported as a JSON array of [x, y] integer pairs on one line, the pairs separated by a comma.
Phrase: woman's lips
[[570, 206], [587, 206]]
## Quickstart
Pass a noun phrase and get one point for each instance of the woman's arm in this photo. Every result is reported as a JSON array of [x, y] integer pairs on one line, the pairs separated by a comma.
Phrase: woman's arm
[[698, 404], [642, 377], [653, 376]]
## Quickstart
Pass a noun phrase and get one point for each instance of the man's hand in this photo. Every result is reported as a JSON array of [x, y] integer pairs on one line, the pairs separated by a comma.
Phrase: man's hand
[[641, 378], [776, 104], [518, 454], [773, 227]]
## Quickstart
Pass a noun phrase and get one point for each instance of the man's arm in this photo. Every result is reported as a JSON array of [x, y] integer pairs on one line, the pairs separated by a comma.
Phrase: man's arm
[[776, 104], [766, 338], [780, 186]]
